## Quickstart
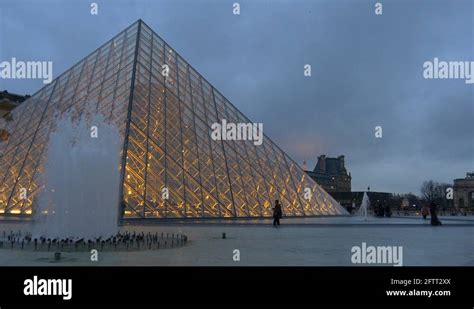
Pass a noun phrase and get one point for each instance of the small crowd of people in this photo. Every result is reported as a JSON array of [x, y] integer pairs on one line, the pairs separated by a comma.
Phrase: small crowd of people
[[381, 211], [385, 211]]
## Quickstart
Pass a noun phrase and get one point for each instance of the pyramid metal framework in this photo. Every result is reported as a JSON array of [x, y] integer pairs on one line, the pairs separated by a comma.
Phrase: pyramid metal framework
[[165, 124]]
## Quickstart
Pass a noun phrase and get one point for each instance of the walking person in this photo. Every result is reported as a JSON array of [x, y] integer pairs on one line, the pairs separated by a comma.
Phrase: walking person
[[277, 213], [434, 216], [425, 211], [380, 210], [388, 212]]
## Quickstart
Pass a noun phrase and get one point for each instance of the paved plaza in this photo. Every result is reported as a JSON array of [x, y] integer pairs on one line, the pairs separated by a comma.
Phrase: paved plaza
[[325, 241]]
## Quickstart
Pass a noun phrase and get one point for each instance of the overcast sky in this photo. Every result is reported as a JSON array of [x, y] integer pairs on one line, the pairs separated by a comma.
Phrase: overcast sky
[[367, 71]]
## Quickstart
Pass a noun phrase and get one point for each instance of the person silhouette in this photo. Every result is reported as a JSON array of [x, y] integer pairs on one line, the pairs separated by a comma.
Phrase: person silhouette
[[434, 216], [277, 213]]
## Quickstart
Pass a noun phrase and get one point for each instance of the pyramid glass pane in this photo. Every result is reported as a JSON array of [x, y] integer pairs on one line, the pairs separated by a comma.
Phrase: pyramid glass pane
[[165, 124]]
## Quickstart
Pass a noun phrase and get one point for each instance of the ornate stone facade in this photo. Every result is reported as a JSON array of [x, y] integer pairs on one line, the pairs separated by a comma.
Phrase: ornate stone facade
[[464, 191], [331, 174]]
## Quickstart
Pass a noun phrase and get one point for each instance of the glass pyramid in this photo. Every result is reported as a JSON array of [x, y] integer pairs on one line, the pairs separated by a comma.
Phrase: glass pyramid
[[166, 124]]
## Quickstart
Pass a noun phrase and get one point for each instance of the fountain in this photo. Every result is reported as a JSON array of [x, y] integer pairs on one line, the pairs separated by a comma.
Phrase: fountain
[[77, 209], [81, 180], [364, 206]]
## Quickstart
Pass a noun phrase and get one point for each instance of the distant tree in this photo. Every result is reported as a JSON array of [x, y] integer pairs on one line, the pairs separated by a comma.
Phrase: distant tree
[[433, 191], [430, 190], [396, 201], [412, 200], [443, 200]]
